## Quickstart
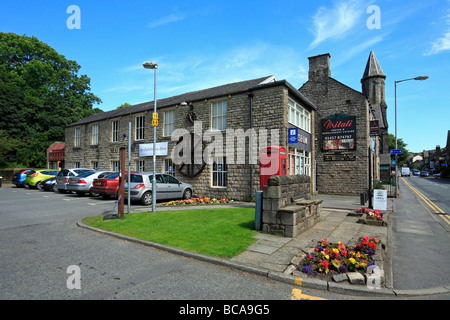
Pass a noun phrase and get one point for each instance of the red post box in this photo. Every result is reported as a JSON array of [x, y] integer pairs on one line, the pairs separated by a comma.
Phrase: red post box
[[272, 162]]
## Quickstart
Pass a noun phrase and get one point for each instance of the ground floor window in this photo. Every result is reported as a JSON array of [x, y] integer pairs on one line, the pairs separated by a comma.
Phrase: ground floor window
[[115, 165], [140, 165], [169, 168], [94, 165], [219, 172], [299, 162]]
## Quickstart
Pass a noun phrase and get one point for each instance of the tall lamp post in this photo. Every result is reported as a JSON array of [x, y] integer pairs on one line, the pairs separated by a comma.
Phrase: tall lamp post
[[396, 156], [154, 66]]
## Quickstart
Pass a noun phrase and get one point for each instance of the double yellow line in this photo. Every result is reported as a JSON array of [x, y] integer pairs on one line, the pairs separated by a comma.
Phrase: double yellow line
[[430, 203]]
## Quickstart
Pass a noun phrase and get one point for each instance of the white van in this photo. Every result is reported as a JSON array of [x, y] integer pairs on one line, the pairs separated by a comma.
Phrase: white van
[[406, 172]]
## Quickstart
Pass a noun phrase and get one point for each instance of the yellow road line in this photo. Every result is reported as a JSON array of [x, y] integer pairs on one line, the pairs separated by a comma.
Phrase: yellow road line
[[298, 295], [430, 203]]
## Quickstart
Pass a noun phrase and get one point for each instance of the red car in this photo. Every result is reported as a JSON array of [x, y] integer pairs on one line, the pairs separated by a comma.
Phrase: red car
[[108, 186]]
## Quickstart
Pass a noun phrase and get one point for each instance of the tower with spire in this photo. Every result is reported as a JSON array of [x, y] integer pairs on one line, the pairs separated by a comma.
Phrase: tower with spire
[[373, 88]]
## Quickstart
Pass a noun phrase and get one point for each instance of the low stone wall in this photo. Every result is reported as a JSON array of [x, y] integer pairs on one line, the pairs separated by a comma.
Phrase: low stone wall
[[287, 208]]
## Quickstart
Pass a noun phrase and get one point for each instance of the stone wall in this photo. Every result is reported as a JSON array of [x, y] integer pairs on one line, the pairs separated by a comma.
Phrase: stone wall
[[287, 208], [270, 111], [333, 97]]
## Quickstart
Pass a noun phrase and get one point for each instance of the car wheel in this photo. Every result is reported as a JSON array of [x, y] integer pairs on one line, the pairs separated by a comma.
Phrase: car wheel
[[52, 188], [93, 194], [40, 185], [146, 198], [187, 194]]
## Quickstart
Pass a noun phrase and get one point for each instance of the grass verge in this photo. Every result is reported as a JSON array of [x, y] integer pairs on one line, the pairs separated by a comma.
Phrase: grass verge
[[213, 232]]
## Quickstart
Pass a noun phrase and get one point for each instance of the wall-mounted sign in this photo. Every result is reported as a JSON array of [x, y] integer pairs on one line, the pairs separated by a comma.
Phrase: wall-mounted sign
[[292, 135], [339, 157], [298, 138], [338, 132], [374, 128], [146, 149]]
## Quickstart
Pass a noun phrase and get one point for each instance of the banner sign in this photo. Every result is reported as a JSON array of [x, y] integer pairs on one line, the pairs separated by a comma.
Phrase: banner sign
[[338, 132], [374, 128], [146, 149]]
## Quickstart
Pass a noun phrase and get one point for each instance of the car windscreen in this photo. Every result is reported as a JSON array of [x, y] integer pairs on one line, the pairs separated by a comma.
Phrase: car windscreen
[[86, 174], [136, 178], [112, 176]]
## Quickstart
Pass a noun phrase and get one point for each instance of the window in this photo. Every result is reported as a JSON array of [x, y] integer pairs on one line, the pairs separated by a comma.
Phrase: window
[[300, 162], [94, 165], [219, 116], [94, 137], [77, 142], [115, 165], [169, 123], [140, 165], [115, 131], [139, 128], [169, 168], [299, 116], [77, 164], [219, 172]]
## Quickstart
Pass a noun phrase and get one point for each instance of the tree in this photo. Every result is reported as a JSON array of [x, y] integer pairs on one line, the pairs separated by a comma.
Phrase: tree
[[400, 145], [41, 92]]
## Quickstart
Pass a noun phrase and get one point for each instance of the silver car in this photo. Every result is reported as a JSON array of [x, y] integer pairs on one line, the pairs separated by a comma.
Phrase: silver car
[[62, 178], [82, 183], [167, 187]]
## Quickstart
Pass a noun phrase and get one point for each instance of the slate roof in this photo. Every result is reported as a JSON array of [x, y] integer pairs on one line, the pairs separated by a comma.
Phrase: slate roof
[[373, 67], [219, 91]]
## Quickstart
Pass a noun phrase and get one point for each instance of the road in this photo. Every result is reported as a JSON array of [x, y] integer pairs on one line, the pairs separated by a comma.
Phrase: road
[[420, 233], [40, 240]]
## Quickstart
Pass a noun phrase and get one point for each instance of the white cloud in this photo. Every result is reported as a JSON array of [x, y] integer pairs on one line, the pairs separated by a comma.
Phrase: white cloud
[[165, 20], [336, 22], [443, 43]]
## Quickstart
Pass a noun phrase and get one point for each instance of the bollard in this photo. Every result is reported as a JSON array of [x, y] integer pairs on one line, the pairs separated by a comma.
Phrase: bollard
[[362, 198], [258, 210]]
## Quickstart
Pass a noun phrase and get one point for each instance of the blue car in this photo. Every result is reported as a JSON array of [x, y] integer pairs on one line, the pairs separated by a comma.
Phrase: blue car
[[20, 177]]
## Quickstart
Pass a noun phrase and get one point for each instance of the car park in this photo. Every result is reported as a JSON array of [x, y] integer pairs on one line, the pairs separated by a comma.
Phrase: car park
[[62, 179], [49, 184], [34, 177], [82, 183], [167, 187], [108, 186], [424, 173], [19, 178]]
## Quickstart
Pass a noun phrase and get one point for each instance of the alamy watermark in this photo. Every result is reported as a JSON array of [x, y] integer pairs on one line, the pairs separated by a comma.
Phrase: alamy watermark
[[74, 280], [74, 20]]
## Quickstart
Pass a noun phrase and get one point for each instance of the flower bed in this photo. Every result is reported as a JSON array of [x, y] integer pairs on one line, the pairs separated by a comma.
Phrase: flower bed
[[197, 201], [336, 258], [374, 217]]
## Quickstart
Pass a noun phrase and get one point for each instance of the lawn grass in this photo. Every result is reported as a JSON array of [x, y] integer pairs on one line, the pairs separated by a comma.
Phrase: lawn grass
[[213, 232]]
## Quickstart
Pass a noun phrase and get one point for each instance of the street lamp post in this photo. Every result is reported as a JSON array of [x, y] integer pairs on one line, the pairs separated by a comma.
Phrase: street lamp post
[[396, 156], [154, 66]]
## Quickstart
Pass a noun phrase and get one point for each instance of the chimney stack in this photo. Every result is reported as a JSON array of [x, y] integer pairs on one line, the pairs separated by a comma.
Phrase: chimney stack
[[319, 67]]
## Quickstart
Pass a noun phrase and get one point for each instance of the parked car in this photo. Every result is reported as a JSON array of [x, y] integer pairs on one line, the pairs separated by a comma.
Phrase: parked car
[[62, 179], [49, 184], [416, 172], [108, 186], [424, 173], [405, 172], [19, 178], [167, 187], [35, 177], [82, 183]]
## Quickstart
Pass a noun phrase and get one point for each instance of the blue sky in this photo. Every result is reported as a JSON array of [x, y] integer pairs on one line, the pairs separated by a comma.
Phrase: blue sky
[[201, 44]]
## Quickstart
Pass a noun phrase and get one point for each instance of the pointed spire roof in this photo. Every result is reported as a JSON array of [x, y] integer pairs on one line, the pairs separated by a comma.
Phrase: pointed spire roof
[[373, 68]]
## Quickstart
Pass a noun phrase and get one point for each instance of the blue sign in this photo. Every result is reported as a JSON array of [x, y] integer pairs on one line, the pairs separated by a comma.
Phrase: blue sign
[[396, 151], [292, 135]]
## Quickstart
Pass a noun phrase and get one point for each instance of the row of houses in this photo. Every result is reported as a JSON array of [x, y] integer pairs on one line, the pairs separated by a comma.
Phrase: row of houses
[[212, 138]]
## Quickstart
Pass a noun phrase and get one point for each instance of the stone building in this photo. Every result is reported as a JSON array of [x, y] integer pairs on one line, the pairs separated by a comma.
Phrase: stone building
[[346, 154], [228, 116]]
